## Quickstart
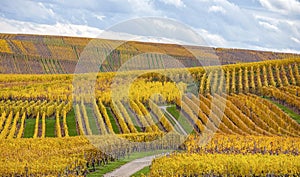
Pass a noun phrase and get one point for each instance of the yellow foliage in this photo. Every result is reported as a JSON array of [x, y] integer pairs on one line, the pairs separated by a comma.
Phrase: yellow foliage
[[4, 47]]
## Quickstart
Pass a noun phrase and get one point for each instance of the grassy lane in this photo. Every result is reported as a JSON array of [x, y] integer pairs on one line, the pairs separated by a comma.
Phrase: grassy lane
[[112, 121], [182, 120], [172, 122], [50, 127], [173, 111], [71, 123], [285, 109], [92, 120], [29, 128], [143, 171]]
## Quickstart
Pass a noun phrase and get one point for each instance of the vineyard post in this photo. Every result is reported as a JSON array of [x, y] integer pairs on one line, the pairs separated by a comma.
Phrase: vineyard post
[[26, 171]]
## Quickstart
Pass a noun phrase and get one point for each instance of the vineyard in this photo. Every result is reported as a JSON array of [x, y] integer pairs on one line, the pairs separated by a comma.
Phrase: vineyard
[[238, 120], [35, 54]]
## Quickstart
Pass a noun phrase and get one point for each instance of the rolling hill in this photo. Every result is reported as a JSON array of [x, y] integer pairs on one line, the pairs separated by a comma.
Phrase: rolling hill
[[240, 119], [38, 54]]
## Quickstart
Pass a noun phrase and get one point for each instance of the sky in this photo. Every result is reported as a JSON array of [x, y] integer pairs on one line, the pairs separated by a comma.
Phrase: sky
[[272, 25]]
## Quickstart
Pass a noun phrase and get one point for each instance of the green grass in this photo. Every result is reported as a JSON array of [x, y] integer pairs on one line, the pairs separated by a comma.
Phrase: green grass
[[112, 121], [29, 128], [101, 170], [143, 171], [285, 109], [172, 122], [173, 111], [71, 123], [182, 120], [92, 120], [50, 127]]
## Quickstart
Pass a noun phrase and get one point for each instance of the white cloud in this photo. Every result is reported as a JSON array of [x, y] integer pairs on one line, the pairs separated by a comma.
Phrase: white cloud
[[217, 9], [282, 6], [268, 26], [164, 24], [99, 17], [142, 7], [265, 24], [295, 40], [266, 18], [282, 50], [122, 36], [176, 3], [49, 11], [278, 20], [213, 39], [14, 26], [35, 11]]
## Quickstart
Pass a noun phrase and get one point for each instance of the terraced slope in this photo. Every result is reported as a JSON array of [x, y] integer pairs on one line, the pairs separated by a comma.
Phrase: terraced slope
[[37, 54]]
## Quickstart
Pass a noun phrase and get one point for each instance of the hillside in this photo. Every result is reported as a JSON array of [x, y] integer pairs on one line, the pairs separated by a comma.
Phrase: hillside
[[242, 106], [239, 119], [37, 54]]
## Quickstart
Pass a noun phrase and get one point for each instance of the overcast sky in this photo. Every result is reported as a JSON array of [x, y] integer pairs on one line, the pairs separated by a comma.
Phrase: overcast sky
[[254, 24]]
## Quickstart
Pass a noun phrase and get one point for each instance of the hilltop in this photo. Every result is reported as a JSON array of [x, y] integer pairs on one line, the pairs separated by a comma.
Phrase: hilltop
[[42, 54]]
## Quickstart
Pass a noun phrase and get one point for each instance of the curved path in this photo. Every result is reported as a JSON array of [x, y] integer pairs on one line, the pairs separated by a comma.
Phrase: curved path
[[131, 167], [177, 124]]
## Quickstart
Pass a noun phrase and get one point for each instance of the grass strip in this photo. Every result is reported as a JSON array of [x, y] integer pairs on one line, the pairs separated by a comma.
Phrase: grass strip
[[285, 109], [50, 127], [143, 172], [112, 121], [29, 128], [71, 123], [92, 120], [182, 120]]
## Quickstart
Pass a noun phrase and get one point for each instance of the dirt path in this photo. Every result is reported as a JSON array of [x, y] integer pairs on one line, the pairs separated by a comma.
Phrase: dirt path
[[173, 118], [131, 167]]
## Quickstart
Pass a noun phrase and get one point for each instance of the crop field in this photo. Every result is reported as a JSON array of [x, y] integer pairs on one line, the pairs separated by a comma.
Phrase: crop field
[[63, 124]]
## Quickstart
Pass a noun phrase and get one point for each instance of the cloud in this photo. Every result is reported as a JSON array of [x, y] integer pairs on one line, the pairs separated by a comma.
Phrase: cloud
[[142, 7], [27, 11], [176, 3], [99, 17], [159, 28], [282, 6], [14, 26], [264, 24], [213, 39], [295, 40], [268, 26], [217, 9], [282, 50], [130, 37]]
